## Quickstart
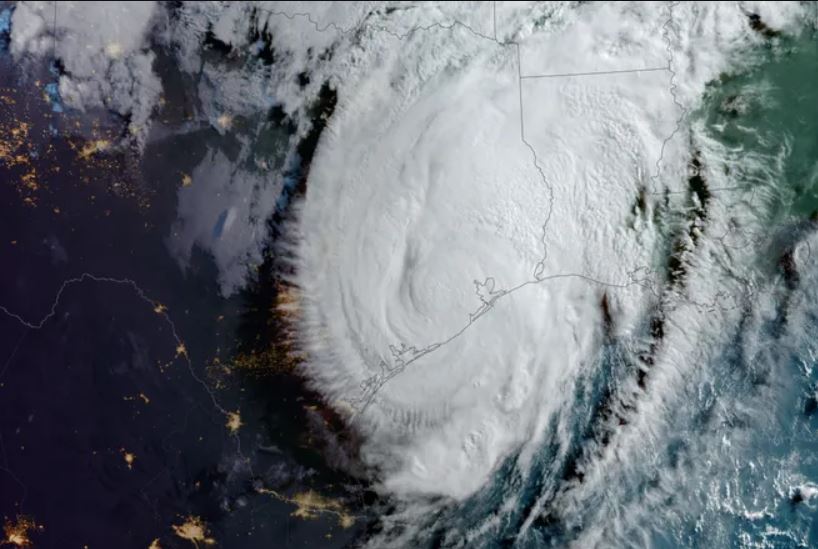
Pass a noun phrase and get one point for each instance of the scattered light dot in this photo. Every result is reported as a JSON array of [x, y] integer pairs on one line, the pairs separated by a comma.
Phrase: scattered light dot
[[181, 349], [141, 396], [113, 50], [128, 457], [194, 530], [234, 421], [94, 146], [225, 121], [17, 533]]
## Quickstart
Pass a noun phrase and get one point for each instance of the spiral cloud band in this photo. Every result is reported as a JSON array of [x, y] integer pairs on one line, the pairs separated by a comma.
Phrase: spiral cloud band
[[465, 218], [552, 262]]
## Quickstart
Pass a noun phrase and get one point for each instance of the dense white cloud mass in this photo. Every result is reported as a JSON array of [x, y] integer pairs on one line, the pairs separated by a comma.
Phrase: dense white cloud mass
[[461, 198], [479, 217], [224, 211], [104, 50], [425, 185]]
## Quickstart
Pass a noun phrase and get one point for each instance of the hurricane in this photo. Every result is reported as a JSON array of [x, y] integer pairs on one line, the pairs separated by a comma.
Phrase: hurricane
[[540, 273], [559, 275]]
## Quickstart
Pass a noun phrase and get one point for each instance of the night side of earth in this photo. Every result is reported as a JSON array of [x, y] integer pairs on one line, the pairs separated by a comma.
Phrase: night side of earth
[[408, 274]]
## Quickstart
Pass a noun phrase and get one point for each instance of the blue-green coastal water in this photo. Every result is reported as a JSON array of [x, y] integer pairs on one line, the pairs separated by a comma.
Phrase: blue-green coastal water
[[733, 461], [696, 426], [767, 118], [754, 485]]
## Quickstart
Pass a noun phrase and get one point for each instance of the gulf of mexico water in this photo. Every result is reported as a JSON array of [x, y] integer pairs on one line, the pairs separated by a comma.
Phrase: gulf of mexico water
[[733, 461], [754, 484], [736, 463]]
